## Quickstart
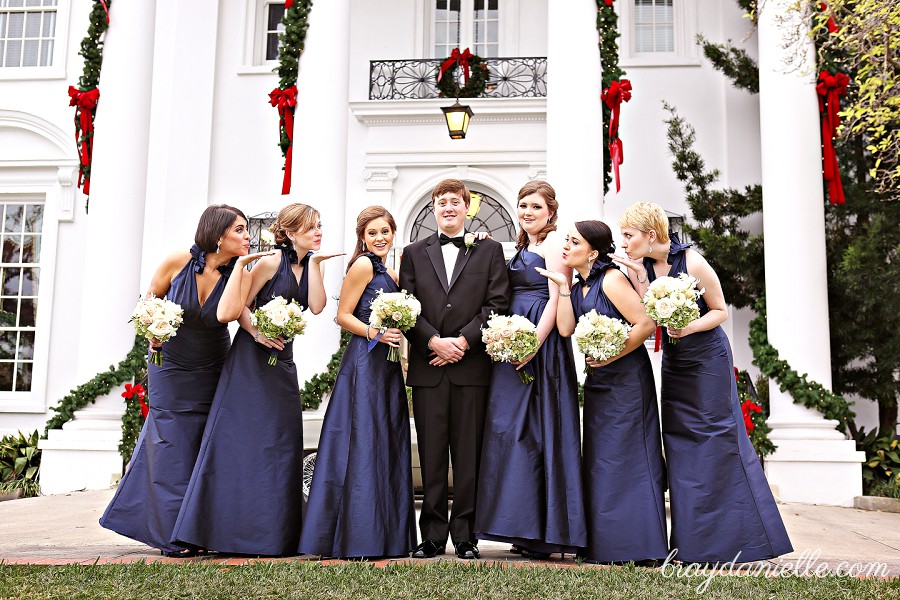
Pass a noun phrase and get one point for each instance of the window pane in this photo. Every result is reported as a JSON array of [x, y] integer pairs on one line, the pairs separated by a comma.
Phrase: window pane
[[272, 44], [47, 53], [7, 344], [26, 345], [13, 220], [440, 4], [276, 12], [34, 217], [32, 2], [16, 25], [3, 18], [643, 38], [454, 5], [6, 376], [492, 31], [32, 53], [30, 276], [33, 25], [12, 249], [9, 313], [27, 313], [440, 35], [13, 53], [665, 39], [11, 281], [49, 24], [23, 377]]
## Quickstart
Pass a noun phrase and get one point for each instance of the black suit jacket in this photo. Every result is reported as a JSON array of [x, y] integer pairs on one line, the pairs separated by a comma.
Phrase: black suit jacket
[[479, 286]]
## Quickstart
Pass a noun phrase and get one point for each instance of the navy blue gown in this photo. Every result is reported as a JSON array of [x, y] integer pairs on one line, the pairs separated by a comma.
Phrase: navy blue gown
[[529, 484], [720, 501], [149, 496], [361, 496], [623, 468], [246, 491]]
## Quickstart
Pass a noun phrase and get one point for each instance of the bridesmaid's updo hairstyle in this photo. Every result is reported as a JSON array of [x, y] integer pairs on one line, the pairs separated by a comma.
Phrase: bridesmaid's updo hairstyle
[[647, 217], [293, 217], [598, 235], [545, 191], [369, 214], [214, 224]]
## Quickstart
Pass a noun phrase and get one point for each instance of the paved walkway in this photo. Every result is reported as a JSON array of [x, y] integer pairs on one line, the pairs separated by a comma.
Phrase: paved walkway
[[63, 529]]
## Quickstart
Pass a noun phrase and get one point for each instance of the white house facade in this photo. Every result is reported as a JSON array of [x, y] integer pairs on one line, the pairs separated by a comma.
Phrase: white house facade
[[184, 121]]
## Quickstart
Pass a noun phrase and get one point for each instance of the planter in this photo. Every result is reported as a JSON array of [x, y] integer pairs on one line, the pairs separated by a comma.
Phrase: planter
[[13, 495], [877, 503]]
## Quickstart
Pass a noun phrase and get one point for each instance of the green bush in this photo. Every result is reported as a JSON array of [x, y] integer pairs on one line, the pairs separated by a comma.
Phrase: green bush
[[882, 466], [20, 464]]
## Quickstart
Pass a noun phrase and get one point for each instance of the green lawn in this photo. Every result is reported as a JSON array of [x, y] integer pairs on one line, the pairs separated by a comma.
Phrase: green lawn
[[434, 580]]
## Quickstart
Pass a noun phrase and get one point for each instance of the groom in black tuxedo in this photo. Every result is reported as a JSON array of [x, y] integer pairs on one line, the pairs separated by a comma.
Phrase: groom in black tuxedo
[[460, 282]]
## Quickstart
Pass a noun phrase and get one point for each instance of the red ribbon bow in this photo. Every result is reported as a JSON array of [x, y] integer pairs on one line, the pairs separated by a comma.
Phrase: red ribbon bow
[[457, 57], [288, 4], [617, 93], [286, 101], [830, 89], [137, 390], [106, 9], [609, 2], [747, 408], [85, 104]]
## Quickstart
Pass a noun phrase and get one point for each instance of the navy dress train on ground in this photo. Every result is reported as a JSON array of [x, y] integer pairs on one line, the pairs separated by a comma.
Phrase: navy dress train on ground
[[148, 499], [529, 485], [623, 467], [245, 494], [721, 505], [361, 497]]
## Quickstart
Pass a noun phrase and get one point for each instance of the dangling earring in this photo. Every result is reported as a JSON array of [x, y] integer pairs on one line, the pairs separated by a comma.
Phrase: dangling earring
[[218, 246], [650, 249]]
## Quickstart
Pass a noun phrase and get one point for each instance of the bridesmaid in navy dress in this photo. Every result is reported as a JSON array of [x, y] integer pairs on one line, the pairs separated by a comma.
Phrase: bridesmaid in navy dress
[[245, 493], [361, 497], [624, 473], [529, 485], [149, 496], [721, 505]]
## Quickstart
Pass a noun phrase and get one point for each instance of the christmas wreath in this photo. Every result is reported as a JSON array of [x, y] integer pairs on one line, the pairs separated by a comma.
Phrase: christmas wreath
[[475, 73]]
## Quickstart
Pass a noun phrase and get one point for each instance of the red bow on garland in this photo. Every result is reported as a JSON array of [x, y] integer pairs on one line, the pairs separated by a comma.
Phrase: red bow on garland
[[137, 389], [288, 4], [457, 57], [748, 407], [830, 89], [617, 93], [106, 9], [85, 104], [286, 101]]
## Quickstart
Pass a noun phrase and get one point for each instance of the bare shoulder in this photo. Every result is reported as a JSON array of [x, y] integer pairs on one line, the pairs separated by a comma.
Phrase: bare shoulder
[[174, 262], [696, 262]]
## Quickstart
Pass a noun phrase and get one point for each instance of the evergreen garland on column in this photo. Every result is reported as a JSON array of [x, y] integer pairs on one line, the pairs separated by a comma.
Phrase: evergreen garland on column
[[284, 97], [608, 28], [87, 95]]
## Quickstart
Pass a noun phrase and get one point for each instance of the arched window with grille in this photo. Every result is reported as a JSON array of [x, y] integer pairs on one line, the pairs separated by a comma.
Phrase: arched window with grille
[[491, 217]]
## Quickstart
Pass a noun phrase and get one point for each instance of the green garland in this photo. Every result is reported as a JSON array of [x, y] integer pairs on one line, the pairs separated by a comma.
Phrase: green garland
[[474, 87], [133, 420], [608, 28], [808, 393], [102, 383], [321, 384], [92, 47], [293, 38]]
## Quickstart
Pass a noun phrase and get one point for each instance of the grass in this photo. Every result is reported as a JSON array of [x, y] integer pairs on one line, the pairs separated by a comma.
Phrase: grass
[[433, 580]]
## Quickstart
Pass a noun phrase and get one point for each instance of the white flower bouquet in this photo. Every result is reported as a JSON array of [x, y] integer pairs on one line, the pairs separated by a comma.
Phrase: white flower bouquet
[[156, 318], [510, 339], [600, 337], [397, 310], [279, 318], [672, 301]]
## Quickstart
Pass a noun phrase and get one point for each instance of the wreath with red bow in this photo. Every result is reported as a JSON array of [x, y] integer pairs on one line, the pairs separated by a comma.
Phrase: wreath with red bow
[[475, 75]]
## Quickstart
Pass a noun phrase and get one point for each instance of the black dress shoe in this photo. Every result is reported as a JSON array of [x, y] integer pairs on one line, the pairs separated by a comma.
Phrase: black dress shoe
[[428, 549], [467, 550]]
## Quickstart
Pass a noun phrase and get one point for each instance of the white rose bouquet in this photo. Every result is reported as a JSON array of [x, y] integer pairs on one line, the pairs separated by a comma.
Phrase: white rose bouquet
[[510, 339], [397, 310], [672, 301], [279, 318], [600, 337], [156, 318]]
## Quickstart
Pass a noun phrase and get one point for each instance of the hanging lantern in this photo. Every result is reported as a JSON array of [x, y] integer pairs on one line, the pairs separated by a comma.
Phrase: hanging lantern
[[458, 117]]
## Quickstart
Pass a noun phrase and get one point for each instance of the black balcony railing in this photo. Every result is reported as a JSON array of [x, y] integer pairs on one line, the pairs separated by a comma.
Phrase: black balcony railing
[[415, 79]]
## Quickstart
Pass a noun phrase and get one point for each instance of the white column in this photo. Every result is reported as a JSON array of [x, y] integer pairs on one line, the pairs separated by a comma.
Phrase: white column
[[574, 113], [85, 453], [814, 462], [319, 174]]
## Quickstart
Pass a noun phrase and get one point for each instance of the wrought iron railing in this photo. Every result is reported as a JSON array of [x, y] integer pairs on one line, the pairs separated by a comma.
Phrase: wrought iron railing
[[415, 79]]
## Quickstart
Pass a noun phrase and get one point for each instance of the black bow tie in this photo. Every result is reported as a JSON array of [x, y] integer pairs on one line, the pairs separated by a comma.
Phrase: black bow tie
[[456, 241]]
